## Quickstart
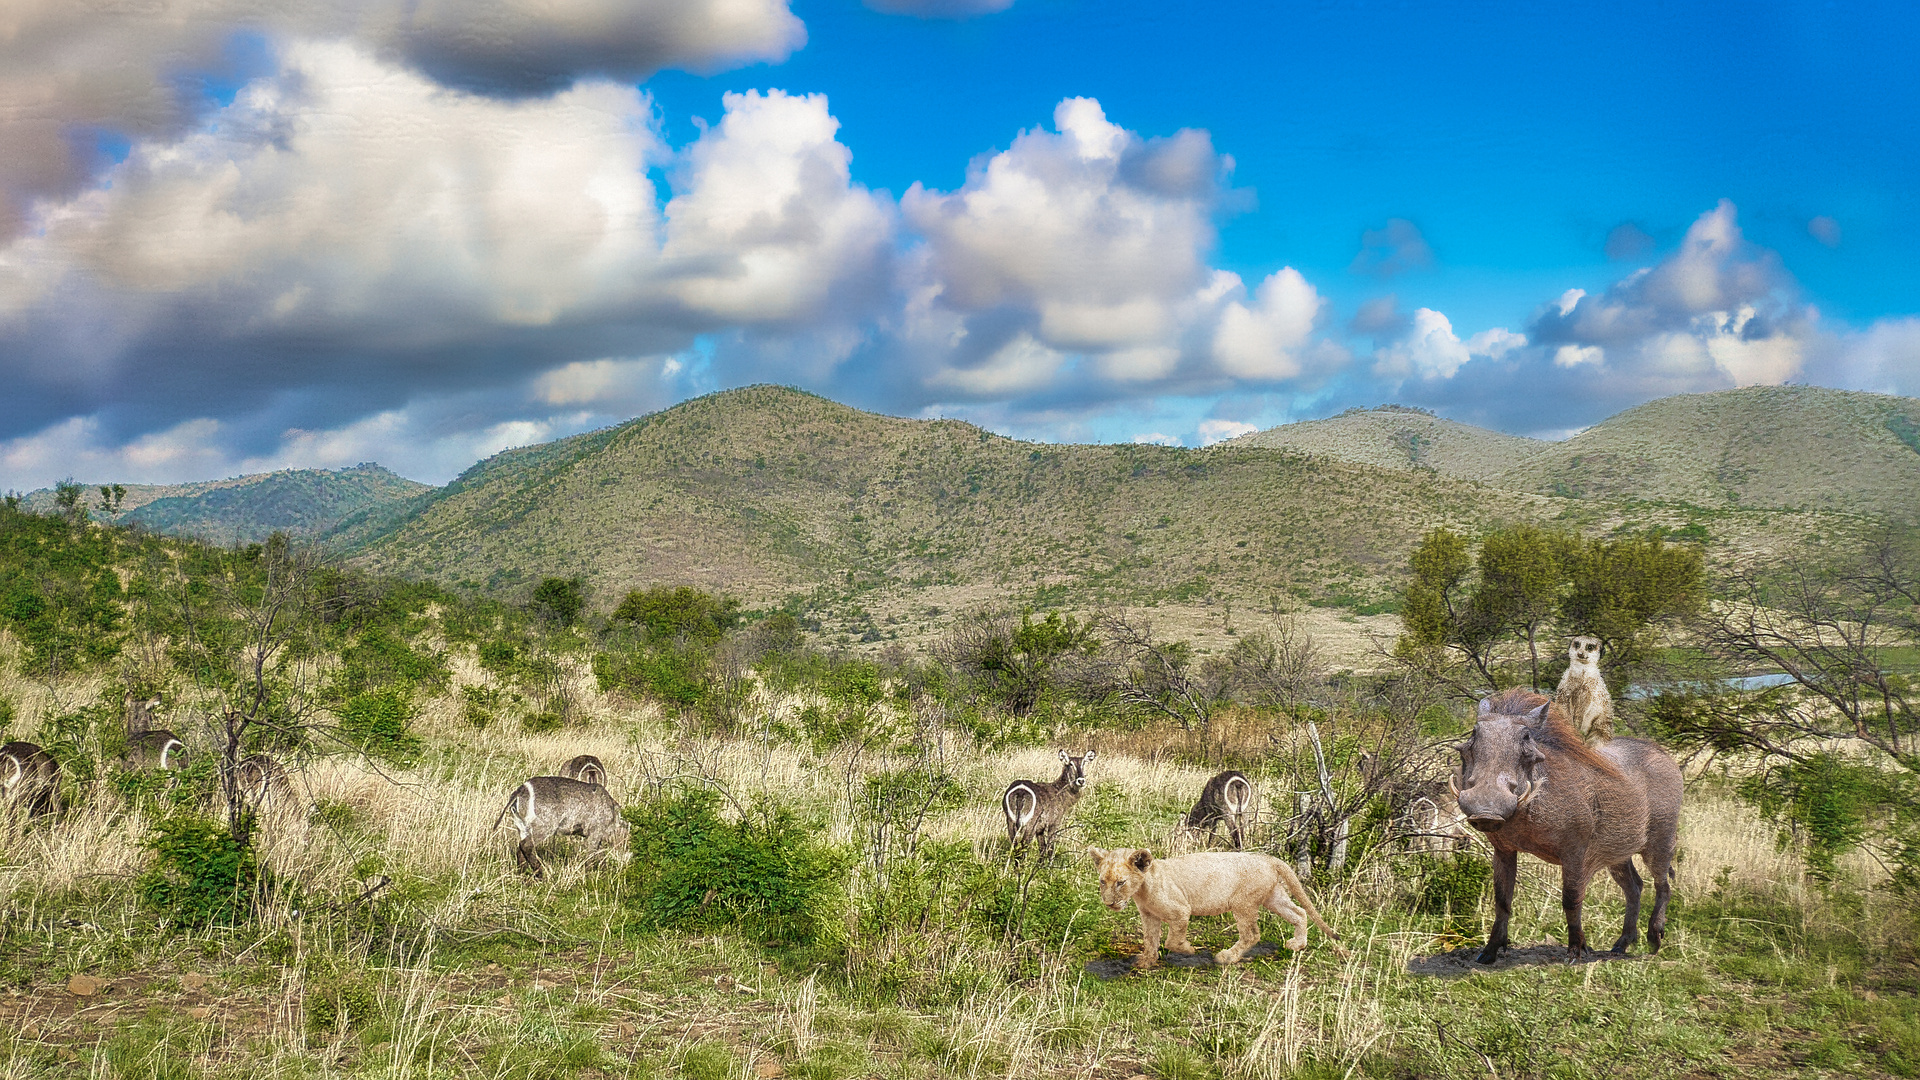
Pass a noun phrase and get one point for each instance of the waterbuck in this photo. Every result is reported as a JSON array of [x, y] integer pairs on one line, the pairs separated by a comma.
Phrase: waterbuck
[[156, 749], [587, 769], [29, 777], [1036, 810], [1228, 797], [262, 782], [1530, 783], [548, 806]]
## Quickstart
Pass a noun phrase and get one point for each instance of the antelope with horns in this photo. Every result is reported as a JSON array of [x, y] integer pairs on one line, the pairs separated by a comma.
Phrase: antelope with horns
[[1036, 810]]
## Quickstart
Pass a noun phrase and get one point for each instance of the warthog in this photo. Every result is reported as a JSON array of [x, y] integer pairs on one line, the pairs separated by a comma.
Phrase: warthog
[[1228, 797], [1035, 810], [587, 769], [1530, 783], [548, 806], [157, 749], [29, 777]]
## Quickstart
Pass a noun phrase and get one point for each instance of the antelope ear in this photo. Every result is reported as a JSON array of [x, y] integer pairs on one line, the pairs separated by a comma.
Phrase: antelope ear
[[1486, 706], [1087, 760], [1063, 755], [1142, 859]]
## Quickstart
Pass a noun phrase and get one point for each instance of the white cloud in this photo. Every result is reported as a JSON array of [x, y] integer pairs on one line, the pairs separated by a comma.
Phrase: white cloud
[[1572, 356], [1213, 431], [1430, 349], [75, 66], [1495, 343], [1265, 341], [1155, 438]]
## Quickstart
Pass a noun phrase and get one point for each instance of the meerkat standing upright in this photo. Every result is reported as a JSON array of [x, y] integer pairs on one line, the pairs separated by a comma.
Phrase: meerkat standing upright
[[1583, 693]]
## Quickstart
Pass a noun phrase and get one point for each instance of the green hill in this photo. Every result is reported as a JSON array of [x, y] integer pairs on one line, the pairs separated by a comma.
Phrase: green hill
[[1761, 446], [246, 509], [886, 526], [1398, 437]]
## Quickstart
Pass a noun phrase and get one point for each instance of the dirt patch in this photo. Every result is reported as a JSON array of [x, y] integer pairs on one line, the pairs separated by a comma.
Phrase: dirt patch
[[1116, 967], [1459, 962]]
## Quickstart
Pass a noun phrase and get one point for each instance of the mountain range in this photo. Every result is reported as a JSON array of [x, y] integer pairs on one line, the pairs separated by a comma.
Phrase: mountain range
[[876, 527]]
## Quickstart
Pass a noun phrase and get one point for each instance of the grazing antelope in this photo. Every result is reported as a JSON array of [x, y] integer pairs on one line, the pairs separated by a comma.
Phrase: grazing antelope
[[1036, 810], [587, 769], [1228, 797], [1430, 829], [30, 777], [262, 782], [548, 806], [157, 749]]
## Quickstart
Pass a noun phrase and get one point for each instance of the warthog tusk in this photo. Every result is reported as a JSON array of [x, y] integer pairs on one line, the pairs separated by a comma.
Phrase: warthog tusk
[[1527, 796]]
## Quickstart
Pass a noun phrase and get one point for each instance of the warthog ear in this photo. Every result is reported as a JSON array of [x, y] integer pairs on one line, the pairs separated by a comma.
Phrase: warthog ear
[[1540, 714], [1486, 706], [1142, 859]]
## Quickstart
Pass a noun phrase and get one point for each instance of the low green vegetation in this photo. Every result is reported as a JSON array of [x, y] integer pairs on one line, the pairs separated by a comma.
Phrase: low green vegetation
[[819, 883]]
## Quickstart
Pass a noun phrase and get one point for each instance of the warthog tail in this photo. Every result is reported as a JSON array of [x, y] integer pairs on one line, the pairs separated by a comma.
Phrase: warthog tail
[[1299, 893]]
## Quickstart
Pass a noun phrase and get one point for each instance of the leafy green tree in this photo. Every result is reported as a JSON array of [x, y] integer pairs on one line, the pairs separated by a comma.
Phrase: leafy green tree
[[683, 613], [561, 600], [1525, 586], [1014, 665]]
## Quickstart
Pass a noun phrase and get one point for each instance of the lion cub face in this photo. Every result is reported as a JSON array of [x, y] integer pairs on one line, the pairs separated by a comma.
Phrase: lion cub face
[[1123, 873]]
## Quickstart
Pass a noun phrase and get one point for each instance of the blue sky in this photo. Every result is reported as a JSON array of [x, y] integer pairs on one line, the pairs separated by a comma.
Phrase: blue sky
[[238, 237]]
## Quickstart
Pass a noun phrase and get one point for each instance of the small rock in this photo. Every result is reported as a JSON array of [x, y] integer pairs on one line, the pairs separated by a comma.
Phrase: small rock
[[542, 985], [626, 1031], [194, 983], [503, 999], [200, 1012], [493, 967], [85, 986], [769, 1070]]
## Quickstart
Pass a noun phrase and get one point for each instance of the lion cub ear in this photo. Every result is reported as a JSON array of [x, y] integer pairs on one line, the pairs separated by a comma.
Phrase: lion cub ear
[[1142, 859], [1097, 854]]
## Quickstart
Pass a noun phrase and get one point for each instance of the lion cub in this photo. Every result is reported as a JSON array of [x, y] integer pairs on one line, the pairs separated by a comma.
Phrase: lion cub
[[1169, 892]]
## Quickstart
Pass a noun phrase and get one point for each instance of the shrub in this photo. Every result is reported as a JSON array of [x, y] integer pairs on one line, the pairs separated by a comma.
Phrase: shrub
[[674, 676], [768, 875], [378, 659], [378, 724], [336, 1003], [200, 875], [678, 614], [560, 600], [541, 723], [1452, 884]]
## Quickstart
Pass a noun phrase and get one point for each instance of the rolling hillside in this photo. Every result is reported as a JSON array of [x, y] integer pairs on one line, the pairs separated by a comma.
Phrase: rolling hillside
[[885, 527], [1397, 437], [1761, 446], [246, 509]]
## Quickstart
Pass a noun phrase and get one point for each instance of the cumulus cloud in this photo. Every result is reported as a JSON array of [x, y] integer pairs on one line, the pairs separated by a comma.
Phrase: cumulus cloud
[[1393, 249], [1213, 431], [1431, 350], [353, 231], [141, 72]]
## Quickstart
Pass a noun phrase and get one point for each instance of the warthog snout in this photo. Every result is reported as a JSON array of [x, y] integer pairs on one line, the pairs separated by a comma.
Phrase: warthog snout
[[1501, 770]]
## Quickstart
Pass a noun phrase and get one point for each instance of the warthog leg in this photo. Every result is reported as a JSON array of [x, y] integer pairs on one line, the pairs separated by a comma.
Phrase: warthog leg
[[1573, 894], [1630, 884], [1660, 866], [1506, 867]]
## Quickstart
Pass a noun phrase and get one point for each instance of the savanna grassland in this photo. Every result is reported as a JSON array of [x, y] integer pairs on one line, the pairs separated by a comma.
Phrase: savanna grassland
[[820, 883]]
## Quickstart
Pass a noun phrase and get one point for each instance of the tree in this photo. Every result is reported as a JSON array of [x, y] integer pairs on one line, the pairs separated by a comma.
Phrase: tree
[[1840, 739], [561, 600], [1151, 675], [1476, 610], [1013, 664]]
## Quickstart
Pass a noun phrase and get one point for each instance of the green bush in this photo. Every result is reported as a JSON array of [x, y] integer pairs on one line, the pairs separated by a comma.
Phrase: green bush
[[1451, 884], [200, 876], [378, 724], [769, 876], [1828, 801], [683, 614], [560, 600], [542, 723], [336, 1003], [673, 676], [378, 659]]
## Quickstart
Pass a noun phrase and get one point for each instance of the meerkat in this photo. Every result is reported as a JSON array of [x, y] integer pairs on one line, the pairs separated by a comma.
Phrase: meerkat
[[1583, 693]]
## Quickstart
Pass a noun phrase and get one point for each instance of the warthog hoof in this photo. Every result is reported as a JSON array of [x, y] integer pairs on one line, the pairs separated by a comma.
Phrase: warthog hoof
[[1488, 955]]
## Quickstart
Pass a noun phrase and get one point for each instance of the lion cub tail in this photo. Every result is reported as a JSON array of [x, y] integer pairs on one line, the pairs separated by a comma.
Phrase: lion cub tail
[[1299, 894]]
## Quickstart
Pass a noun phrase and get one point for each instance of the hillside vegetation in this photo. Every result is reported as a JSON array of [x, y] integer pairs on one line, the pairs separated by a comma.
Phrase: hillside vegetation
[[1397, 437], [246, 509], [1758, 447], [884, 526], [820, 884]]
